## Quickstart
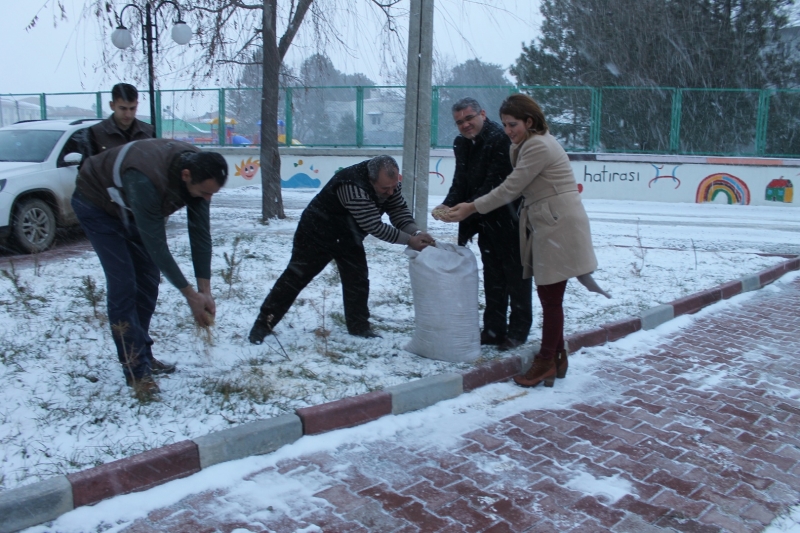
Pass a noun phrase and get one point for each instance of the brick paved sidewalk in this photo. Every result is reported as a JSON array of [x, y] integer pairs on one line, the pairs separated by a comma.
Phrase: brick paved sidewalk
[[702, 432]]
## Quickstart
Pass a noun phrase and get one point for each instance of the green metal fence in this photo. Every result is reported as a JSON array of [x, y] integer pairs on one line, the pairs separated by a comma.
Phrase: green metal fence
[[656, 120]]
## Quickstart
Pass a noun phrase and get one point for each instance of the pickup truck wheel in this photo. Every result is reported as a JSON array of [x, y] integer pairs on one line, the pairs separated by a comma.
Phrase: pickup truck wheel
[[33, 226]]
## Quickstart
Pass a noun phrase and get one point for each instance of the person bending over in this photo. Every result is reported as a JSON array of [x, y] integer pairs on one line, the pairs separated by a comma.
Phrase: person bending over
[[332, 228], [121, 199]]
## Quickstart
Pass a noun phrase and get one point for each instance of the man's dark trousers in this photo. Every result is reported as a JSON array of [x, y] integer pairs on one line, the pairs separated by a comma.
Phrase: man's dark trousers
[[310, 255], [131, 283], [502, 277]]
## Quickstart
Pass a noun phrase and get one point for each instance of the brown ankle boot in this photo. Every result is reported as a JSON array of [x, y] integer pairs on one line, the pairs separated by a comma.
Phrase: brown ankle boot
[[561, 364], [541, 370]]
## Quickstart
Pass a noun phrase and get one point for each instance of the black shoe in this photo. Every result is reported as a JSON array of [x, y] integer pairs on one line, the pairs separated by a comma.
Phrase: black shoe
[[260, 330], [158, 367], [491, 340], [368, 333], [509, 344]]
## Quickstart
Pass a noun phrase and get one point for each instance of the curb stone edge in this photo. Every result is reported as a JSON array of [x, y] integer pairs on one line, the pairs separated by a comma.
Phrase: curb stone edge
[[46, 500]]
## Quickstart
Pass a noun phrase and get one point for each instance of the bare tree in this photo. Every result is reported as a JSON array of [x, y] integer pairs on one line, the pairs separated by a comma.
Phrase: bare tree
[[228, 32], [59, 14]]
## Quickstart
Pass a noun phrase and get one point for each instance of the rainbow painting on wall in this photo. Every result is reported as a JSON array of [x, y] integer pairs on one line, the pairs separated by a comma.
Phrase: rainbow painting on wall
[[734, 189]]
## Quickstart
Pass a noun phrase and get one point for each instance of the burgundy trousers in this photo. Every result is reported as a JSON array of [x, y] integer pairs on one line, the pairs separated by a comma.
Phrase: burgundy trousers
[[552, 300]]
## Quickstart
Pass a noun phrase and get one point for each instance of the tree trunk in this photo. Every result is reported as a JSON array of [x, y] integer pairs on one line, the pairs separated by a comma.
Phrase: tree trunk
[[271, 199]]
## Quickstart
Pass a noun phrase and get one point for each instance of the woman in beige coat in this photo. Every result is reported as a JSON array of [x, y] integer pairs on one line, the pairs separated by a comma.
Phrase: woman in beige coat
[[555, 240]]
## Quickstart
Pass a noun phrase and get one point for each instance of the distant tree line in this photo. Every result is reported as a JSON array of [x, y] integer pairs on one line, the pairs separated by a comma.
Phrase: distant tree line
[[324, 116], [636, 49]]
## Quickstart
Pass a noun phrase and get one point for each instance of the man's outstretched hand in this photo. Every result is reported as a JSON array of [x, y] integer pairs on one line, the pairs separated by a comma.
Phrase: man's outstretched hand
[[421, 241], [201, 303], [459, 212], [440, 212]]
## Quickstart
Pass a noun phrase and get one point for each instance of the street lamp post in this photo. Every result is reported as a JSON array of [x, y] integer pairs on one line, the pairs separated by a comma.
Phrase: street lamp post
[[121, 38]]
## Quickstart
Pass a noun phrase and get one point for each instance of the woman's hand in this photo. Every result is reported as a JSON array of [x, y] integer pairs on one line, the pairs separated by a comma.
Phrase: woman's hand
[[460, 212]]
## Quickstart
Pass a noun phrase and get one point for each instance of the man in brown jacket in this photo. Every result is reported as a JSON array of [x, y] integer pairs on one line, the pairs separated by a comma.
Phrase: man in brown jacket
[[121, 126], [121, 199]]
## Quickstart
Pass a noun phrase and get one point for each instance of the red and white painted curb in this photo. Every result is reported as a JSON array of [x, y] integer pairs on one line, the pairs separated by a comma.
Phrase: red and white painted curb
[[46, 500]]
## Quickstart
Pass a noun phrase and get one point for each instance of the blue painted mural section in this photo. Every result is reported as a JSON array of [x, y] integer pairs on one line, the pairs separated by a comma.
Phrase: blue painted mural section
[[299, 181]]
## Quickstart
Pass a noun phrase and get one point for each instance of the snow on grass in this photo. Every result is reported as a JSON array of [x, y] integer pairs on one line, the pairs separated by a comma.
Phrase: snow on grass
[[278, 483], [64, 406]]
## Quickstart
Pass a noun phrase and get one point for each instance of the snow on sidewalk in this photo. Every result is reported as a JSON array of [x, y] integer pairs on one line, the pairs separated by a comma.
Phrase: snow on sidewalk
[[692, 426]]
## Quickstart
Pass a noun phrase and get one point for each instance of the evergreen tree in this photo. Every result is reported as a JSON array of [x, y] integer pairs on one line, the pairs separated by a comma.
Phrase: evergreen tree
[[324, 105], [653, 44], [476, 72], [485, 82]]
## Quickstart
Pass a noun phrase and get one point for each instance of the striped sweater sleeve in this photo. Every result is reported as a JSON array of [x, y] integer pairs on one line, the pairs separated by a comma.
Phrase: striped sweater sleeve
[[368, 217]]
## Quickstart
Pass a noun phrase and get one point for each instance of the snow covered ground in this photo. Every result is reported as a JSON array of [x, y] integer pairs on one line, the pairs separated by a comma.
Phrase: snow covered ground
[[252, 485], [64, 406]]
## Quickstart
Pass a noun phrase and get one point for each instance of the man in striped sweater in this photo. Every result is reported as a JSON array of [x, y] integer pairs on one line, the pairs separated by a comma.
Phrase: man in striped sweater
[[333, 227]]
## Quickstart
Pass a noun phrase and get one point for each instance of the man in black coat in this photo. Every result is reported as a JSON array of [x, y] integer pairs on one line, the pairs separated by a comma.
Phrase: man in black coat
[[482, 163], [333, 228]]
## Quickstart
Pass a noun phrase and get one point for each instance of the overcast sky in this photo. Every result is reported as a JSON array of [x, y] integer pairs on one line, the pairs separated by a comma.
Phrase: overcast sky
[[65, 56]]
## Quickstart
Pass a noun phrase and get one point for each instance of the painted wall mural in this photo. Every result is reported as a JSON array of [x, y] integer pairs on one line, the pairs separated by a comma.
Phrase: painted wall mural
[[734, 189], [666, 179], [672, 176], [780, 190], [301, 179], [437, 173], [247, 169]]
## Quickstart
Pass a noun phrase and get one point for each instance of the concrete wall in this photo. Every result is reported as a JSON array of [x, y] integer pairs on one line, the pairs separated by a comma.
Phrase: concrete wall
[[692, 179]]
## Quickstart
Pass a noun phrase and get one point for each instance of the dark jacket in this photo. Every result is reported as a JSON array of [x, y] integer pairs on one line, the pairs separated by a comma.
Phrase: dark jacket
[[106, 135], [151, 189], [481, 166], [152, 157], [325, 215]]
